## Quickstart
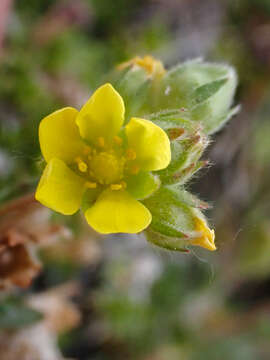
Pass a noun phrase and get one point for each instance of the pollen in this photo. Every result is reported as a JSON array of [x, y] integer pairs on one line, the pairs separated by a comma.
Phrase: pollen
[[101, 141], [82, 166], [106, 168], [118, 140], [91, 185], [131, 154], [116, 186]]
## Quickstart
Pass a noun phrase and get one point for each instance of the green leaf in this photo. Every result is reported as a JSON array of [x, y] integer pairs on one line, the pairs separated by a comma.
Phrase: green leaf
[[142, 185], [14, 314]]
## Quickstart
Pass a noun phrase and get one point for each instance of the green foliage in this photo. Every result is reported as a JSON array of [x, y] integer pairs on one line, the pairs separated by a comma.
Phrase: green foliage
[[14, 314]]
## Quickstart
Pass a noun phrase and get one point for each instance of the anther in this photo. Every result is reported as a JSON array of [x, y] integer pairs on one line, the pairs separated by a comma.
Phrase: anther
[[91, 185], [131, 154], [82, 166], [101, 142], [116, 186], [118, 140]]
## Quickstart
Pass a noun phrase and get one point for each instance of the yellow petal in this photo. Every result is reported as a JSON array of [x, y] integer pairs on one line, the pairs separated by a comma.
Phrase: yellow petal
[[117, 211], [102, 116], [207, 237], [150, 143], [60, 188], [59, 136]]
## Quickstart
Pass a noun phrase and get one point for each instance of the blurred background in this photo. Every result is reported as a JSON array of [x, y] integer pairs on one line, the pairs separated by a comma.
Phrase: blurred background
[[119, 298]]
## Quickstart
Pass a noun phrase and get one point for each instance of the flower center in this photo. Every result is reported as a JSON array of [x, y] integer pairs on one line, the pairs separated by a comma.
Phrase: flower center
[[103, 166], [106, 167]]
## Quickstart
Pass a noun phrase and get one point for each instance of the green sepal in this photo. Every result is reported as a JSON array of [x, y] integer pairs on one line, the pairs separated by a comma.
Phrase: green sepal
[[206, 90], [89, 197], [169, 119], [168, 243], [186, 174], [185, 153], [142, 185], [185, 197], [216, 124], [133, 84], [170, 216]]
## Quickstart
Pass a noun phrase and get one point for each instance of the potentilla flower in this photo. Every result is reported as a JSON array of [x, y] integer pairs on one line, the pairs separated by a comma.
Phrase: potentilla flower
[[93, 159]]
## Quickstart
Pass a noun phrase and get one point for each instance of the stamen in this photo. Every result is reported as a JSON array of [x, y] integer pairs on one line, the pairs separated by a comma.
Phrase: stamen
[[91, 185], [101, 141], [118, 140], [131, 154], [82, 166], [116, 186]]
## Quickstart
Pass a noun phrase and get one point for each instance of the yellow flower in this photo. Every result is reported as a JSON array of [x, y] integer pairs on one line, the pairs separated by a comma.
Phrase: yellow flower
[[90, 155], [152, 66], [206, 238]]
